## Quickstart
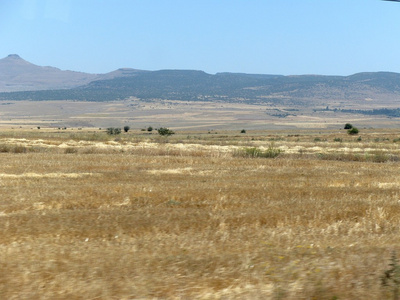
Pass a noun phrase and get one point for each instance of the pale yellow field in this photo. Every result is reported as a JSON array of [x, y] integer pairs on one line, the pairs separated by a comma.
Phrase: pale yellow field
[[88, 216]]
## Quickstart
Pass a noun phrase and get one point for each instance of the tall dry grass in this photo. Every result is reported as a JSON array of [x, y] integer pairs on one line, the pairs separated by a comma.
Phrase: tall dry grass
[[179, 220]]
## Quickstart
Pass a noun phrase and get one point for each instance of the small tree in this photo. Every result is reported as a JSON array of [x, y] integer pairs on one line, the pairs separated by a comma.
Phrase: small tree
[[165, 131], [243, 131], [149, 129], [113, 131], [348, 126], [353, 131], [126, 128]]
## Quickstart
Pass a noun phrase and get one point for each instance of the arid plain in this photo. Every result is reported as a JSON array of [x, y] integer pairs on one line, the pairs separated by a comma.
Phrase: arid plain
[[185, 115], [86, 215]]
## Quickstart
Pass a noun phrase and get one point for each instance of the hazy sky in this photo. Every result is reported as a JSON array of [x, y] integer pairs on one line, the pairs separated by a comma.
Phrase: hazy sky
[[331, 37]]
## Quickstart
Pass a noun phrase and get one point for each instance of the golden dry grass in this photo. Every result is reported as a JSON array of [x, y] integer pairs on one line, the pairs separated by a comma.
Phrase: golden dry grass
[[142, 218]]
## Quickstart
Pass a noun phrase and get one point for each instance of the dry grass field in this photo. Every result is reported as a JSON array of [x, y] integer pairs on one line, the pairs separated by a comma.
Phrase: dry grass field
[[84, 215]]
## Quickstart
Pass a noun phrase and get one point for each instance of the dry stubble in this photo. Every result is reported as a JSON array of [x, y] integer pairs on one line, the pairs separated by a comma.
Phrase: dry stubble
[[151, 222]]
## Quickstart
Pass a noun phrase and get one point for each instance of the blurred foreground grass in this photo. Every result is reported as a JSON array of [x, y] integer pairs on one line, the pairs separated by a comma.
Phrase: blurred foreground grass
[[186, 218]]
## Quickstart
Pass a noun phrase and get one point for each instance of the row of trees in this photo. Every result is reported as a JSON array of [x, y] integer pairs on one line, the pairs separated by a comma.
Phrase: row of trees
[[161, 131], [167, 132]]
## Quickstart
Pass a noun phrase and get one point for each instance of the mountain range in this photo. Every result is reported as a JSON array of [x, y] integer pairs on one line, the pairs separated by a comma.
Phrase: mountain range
[[21, 80]]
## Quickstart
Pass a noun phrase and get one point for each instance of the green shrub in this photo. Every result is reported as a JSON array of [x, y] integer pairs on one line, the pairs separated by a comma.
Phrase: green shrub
[[113, 131], [252, 152], [348, 126], [243, 131], [165, 131], [272, 152], [353, 131], [126, 128]]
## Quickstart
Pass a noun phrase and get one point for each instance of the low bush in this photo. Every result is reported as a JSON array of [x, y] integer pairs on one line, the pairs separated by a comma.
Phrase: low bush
[[353, 131], [165, 131], [113, 131]]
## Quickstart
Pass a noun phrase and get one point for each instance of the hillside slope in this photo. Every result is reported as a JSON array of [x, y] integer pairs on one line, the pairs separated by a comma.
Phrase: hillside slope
[[200, 86], [17, 74]]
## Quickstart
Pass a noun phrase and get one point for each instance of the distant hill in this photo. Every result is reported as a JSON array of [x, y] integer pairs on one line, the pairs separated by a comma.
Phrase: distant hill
[[17, 74], [199, 86]]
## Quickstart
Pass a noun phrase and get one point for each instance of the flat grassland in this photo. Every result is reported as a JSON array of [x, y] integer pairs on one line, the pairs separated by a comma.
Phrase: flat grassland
[[184, 115], [85, 215]]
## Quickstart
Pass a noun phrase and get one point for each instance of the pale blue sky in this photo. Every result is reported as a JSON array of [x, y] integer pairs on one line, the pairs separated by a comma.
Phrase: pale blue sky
[[331, 37]]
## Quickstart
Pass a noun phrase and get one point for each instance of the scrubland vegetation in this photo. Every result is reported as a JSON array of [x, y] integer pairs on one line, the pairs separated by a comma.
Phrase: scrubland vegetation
[[197, 215]]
